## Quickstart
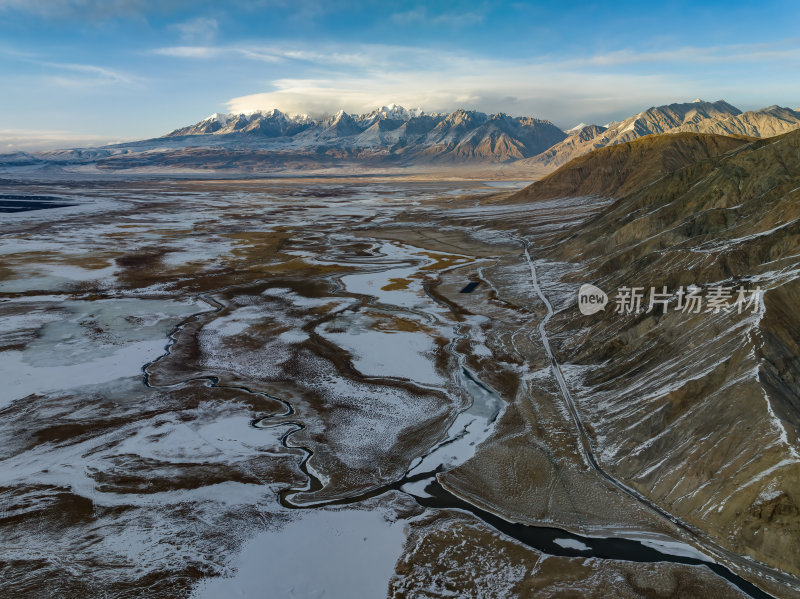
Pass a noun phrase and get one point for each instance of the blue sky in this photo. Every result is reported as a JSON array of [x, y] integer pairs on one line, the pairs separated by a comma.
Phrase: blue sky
[[90, 71]]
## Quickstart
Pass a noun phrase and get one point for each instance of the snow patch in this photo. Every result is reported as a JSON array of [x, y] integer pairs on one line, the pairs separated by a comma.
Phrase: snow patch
[[572, 544], [346, 553]]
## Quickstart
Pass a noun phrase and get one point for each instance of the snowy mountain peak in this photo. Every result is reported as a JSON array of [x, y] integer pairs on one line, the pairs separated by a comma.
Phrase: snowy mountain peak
[[393, 111], [220, 123], [271, 114], [218, 117], [469, 134]]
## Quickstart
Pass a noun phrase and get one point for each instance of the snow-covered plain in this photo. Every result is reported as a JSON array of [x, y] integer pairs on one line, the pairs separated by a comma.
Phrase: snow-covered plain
[[181, 367], [92, 299]]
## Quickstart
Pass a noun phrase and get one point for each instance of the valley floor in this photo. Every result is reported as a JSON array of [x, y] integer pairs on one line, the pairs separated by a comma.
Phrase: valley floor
[[305, 388]]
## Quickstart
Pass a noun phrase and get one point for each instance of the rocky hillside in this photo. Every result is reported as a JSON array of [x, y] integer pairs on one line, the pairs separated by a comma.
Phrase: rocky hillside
[[699, 411], [698, 116], [766, 122], [621, 169]]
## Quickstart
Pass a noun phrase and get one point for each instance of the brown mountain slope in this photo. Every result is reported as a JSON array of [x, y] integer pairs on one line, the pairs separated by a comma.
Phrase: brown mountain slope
[[578, 142], [657, 119], [744, 182], [699, 117], [621, 169], [699, 411], [766, 122]]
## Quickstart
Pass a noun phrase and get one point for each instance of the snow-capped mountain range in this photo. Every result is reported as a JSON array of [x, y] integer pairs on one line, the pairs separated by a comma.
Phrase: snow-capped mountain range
[[393, 136], [279, 123], [390, 131]]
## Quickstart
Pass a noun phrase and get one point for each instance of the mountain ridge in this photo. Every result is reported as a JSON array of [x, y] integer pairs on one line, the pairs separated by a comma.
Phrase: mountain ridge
[[719, 216], [406, 134], [620, 169], [395, 137], [698, 116]]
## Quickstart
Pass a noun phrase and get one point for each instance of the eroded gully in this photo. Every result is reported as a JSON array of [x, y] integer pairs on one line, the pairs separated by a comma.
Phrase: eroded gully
[[707, 545]]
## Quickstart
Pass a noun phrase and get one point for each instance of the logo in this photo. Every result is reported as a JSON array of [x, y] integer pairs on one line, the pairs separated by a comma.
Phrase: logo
[[717, 299], [591, 299]]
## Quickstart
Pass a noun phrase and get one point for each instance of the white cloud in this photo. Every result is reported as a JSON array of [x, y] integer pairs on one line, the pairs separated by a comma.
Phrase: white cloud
[[260, 55], [70, 74], [542, 90], [593, 87], [415, 15], [299, 77], [360, 57], [209, 52], [30, 140], [200, 29], [91, 73], [694, 55], [197, 52]]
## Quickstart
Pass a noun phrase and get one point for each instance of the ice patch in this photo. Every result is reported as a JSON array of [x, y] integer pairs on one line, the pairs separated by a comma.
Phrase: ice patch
[[399, 354], [572, 544], [346, 553], [88, 343]]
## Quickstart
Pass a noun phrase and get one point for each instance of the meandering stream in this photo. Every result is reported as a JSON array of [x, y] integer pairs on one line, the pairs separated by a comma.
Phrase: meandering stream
[[468, 430]]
